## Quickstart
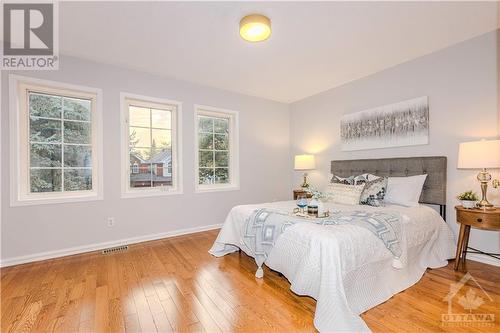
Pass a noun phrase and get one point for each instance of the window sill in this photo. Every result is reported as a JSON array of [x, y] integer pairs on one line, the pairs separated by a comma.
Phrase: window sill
[[29, 201], [150, 193], [221, 188]]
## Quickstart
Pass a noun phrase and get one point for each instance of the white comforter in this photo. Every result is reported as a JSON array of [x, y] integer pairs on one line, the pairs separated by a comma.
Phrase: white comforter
[[345, 268]]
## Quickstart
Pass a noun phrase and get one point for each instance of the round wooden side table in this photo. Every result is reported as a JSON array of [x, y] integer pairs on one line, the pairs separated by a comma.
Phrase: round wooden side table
[[475, 218]]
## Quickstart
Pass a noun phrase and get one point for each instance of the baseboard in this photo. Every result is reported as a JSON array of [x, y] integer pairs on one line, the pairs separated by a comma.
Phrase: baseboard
[[483, 258], [99, 246]]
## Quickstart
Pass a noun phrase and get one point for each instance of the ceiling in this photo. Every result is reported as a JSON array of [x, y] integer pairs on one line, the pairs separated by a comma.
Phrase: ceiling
[[313, 47]]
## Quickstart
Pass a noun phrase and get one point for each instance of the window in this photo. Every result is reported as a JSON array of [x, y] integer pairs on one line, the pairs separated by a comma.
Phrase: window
[[135, 167], [216, 149], [150, 148], [56, 128]]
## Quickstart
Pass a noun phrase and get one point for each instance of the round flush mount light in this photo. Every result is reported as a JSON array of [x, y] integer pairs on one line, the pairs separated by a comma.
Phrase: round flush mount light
[[255, 28]]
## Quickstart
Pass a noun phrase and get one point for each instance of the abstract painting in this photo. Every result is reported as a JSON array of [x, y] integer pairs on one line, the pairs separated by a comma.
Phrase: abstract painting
[[400, 124]]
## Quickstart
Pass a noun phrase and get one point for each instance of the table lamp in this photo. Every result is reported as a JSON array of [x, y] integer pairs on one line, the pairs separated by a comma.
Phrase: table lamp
[[304, 163], [484, 154]]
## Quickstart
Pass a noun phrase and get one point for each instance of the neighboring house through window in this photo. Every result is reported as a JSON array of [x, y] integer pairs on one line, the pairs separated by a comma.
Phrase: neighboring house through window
[[216, 149], [151, 148], [135, 167]]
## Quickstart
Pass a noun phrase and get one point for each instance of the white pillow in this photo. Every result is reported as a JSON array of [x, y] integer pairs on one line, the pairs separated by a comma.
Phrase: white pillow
[[404, 191], [344, 194]]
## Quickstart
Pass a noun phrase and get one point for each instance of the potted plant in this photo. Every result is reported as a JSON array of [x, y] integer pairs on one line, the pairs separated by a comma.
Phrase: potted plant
[[468, 199]]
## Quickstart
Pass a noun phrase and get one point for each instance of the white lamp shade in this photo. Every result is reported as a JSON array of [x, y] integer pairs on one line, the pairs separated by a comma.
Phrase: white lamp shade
[[479, 154], [304, 162]]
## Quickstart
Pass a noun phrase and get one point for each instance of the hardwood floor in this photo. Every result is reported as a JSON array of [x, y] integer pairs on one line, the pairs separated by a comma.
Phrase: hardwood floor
[[175, 285]]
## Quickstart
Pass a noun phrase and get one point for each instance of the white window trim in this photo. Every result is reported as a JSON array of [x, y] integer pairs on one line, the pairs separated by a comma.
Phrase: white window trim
[[126, 191], [19, 194], [234, 148]]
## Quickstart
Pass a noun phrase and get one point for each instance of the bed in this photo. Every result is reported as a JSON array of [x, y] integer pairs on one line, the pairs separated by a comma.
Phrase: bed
[[346, 268]]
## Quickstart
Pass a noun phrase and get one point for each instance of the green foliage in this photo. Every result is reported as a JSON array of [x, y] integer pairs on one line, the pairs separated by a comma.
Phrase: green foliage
[[221, 159], [206, 159], [213, 125], [45, 105], [213, 157], [221, 175], [78, 156], [205, 124], [48, 152], [45, 130], [206, 141], [77, 179], [76, 109], [45, 155], [206, 175], [221, 141], [77, 132], [45, 180], [221, 125], [468, 196]]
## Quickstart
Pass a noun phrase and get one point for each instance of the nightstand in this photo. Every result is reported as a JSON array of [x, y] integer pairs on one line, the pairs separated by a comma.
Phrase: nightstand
[[296, 194], [475, 218]]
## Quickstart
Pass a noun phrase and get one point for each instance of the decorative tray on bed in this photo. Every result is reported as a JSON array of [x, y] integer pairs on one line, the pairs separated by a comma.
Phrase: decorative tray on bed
[[298, 213]]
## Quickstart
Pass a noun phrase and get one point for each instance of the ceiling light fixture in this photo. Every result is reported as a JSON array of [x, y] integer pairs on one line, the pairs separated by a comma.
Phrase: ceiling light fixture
[[255, 28]]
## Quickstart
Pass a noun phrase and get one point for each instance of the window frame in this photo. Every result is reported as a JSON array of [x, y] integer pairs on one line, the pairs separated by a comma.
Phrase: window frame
[[176, 130], [234, 147], [19, 88]]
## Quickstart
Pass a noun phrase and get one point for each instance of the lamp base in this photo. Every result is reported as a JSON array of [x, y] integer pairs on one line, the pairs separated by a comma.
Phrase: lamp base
[[484, 205], [305, 185], [484, 177]]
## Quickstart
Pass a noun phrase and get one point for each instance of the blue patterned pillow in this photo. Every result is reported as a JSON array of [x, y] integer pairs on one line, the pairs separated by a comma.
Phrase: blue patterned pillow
[[374, 192]]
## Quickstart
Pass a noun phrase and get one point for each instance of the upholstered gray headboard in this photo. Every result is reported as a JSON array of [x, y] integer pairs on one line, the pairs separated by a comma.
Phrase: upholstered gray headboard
[[434, 191]]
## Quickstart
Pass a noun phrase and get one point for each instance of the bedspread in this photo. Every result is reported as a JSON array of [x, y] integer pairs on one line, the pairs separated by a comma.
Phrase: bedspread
[[346, 268], [264, 226]]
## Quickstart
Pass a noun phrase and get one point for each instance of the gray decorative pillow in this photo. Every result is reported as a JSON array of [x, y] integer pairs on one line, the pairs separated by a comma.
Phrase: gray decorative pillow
[[354, 180], [340, 180], [364, 178], [374, 192]]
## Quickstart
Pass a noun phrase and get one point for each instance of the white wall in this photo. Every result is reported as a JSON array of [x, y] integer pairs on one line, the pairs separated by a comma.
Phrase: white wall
[[264, 150], [461, 82]]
